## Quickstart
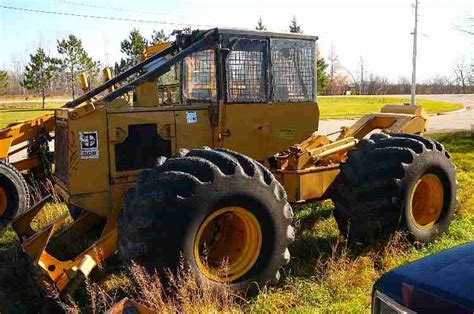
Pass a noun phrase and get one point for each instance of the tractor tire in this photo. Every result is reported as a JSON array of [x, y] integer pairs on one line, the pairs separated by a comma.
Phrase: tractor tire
[[14, 194], [74, 211], [221, 213], [391, 182]]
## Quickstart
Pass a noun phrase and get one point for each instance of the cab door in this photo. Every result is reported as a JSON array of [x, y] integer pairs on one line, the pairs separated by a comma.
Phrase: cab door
[[246, 122], [260, 121]]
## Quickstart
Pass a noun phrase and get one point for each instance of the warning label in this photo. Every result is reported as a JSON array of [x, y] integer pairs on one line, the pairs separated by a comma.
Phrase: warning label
[[89, 145]]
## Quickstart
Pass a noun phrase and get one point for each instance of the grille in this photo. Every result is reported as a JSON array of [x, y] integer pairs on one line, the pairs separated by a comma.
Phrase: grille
[[61, 144]]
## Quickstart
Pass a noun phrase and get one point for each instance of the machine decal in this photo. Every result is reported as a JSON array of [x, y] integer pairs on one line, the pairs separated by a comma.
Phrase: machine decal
[[89, 145], [286, 134], [191, 117]]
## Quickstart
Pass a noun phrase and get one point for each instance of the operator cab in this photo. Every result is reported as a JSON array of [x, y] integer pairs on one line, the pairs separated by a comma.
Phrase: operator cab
[[259, 88]]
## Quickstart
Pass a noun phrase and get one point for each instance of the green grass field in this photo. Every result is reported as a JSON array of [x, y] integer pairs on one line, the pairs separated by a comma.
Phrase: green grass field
[[13, 112], [330, 107], [324, 275], [346, 107]]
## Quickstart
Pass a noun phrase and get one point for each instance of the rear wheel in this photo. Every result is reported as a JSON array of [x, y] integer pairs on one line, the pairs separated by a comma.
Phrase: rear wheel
[[14, 194], [395, 181], [223, 213]]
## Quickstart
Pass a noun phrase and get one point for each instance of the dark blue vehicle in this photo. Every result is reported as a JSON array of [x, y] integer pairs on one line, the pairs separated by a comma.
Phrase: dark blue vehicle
[[440, 283]]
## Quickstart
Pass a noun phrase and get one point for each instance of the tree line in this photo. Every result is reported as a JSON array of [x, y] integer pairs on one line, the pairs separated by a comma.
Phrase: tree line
[[46, 75]]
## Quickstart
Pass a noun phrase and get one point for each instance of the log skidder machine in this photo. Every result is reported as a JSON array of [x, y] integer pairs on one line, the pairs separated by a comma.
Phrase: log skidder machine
[[206, 175]]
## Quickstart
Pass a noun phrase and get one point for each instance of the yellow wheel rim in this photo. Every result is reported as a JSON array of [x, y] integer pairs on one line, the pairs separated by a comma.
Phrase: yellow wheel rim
[[426, 201], [3, 201], [227, 244]]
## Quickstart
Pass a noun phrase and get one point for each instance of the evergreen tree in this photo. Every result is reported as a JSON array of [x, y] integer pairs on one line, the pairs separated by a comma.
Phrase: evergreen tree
[[322, 76], [260, 26], [159, 37], [295, 27], [39, 72], [3, 81], [75, 60], [133, 48]]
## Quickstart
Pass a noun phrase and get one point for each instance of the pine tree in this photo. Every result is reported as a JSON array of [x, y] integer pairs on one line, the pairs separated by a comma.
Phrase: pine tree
[[295, 27], [75, 60], [39, 72], [260, 26], [133, 48], [322, 76], [3, 81], [159, 37]]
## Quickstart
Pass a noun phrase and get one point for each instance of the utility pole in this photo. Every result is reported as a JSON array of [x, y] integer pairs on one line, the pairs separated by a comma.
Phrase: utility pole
[[413, 73]]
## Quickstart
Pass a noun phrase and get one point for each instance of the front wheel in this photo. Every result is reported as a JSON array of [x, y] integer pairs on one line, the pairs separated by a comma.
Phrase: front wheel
[[223, 213], [395, 181]]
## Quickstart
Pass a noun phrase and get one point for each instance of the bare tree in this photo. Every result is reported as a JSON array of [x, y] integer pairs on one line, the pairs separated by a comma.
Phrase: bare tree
[[467, 26], [361, 74], [338, 80], [463, 75], [333, 59]]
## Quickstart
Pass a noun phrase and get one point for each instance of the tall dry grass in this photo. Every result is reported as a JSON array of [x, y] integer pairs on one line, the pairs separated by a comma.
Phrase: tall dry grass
[[180, 293]]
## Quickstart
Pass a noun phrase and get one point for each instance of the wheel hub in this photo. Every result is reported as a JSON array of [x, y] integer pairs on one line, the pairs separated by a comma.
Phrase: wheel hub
[[426, 201], [227, 244]]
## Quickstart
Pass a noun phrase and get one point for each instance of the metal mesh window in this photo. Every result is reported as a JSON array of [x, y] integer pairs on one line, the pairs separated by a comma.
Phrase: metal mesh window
[[199, 80], [293, 69], [246, 72]]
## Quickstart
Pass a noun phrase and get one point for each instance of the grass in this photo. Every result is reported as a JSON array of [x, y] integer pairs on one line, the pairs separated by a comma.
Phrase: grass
[[324, 275], [17, 111], [348, 107]]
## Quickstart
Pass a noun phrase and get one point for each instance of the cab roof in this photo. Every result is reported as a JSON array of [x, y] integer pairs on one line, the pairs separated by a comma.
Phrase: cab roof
[[256, 33]]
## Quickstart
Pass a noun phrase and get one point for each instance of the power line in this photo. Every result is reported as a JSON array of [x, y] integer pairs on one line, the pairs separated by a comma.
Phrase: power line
[[110, 8], [123, 19]]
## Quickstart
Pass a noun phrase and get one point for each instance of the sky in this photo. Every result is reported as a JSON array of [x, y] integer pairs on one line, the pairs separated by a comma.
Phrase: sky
[[378, 31]]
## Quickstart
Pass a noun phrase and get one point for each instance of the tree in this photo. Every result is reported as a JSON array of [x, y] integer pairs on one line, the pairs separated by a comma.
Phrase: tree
[[463, 74], [260, 26], [338, 81], [361, 76], [75, 60], [295, 27], [133, 48], [39, 72], [159, 37], [322, 76], [3, 81]]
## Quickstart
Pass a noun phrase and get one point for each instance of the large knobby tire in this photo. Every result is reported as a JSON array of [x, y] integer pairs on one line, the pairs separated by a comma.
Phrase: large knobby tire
[[74, 211], [391, 182], [221, 213], [14, 194]]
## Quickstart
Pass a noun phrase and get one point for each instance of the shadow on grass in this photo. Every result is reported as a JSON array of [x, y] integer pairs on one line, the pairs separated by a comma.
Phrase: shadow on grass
[[17, 293], [458, 142]]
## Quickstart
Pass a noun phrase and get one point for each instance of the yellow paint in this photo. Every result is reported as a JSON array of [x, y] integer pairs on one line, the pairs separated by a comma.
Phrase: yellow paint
[[255, 129], [229, 252], [426, 201], [22, 131], [308, 184]]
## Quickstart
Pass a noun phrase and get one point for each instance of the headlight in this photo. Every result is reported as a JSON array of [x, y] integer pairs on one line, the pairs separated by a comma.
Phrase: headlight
[[382, 304]]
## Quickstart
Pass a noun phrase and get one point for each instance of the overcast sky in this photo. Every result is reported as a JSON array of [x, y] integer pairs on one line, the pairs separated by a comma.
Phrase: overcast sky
[[377, 30]]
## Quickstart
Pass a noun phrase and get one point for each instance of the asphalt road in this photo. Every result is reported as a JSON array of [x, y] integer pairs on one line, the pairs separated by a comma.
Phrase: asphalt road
[[456, 121]]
